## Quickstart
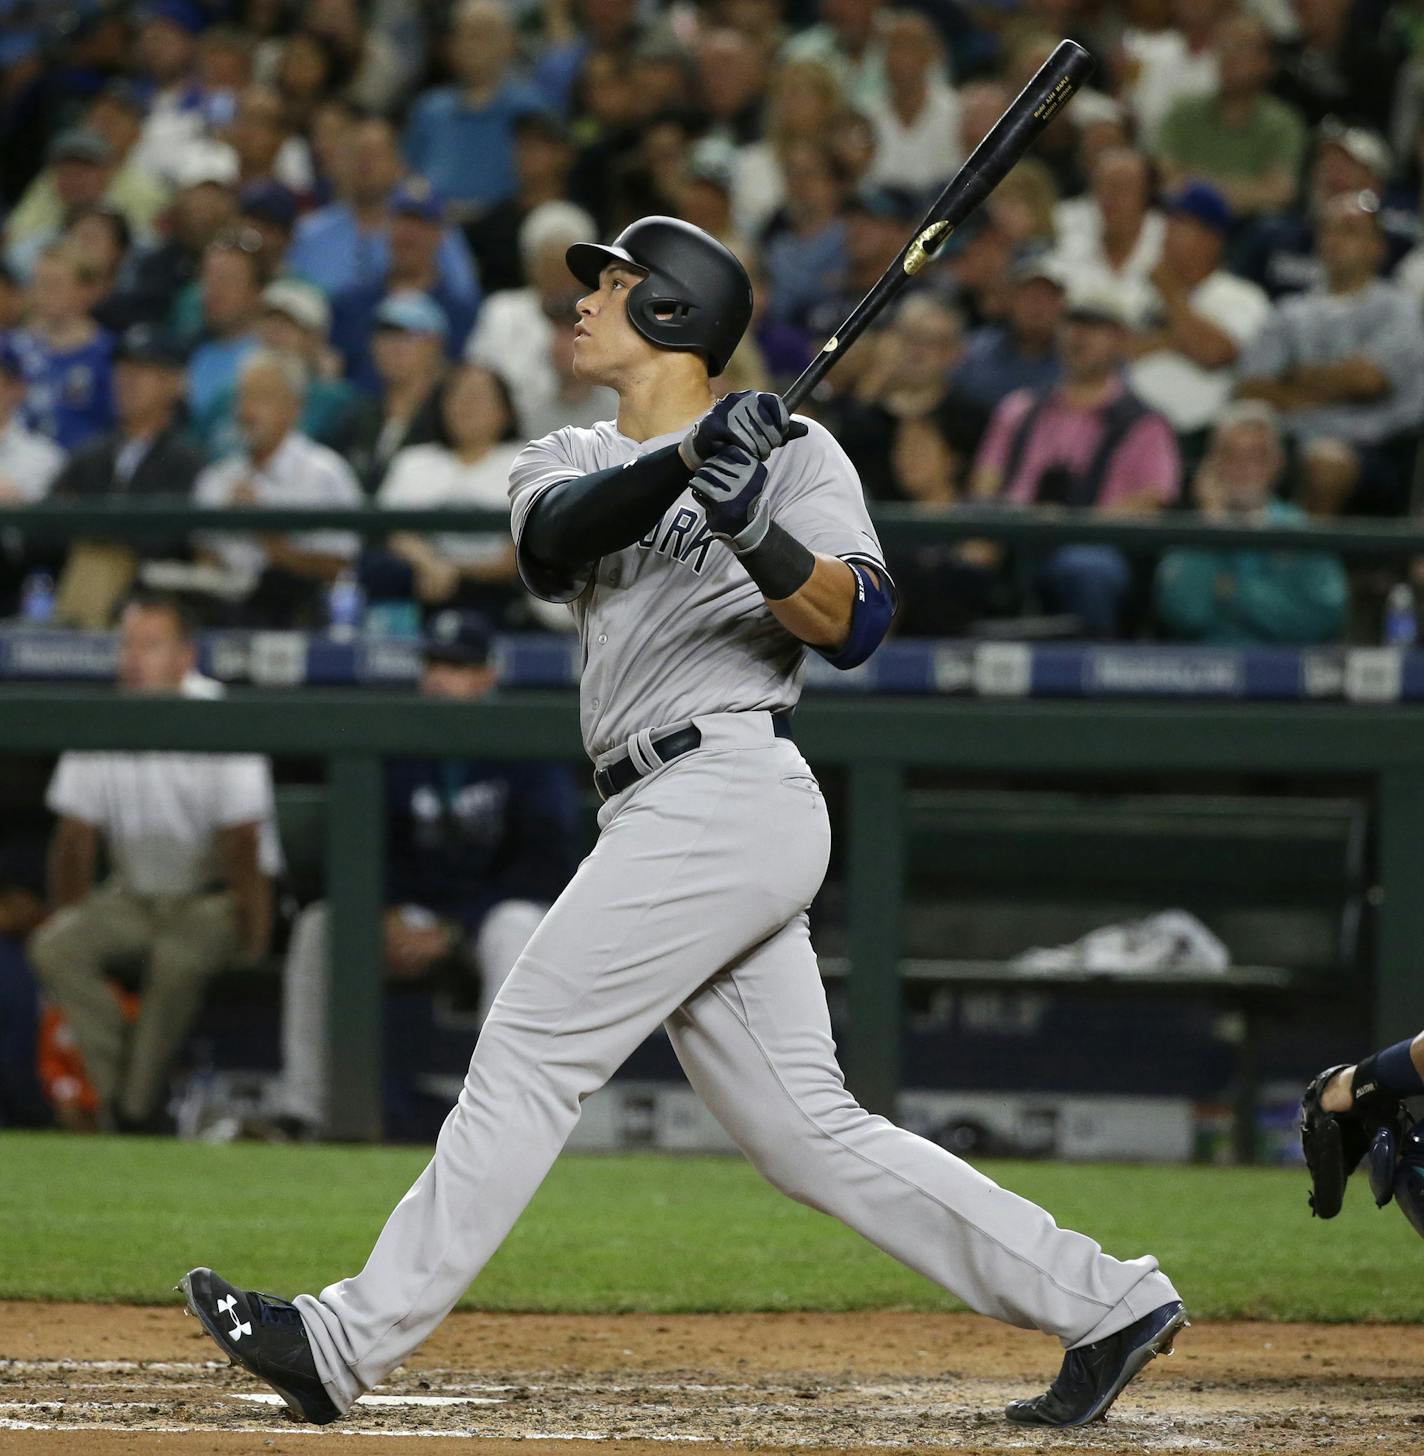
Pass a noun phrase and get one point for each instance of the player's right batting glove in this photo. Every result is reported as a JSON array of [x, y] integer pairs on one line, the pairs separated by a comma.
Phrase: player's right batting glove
[[1335, 1142], [756, 422], [729, 487]]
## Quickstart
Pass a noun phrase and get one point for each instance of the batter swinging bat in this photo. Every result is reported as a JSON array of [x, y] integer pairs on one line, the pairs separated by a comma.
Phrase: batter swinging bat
[[1015, 131]]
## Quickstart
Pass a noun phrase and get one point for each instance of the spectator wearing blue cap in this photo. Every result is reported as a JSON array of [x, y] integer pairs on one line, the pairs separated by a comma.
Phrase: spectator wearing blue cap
[[270, 210], [476, 851], [1247, 144], [347, 244], [417, 230], [1197, 320], [66, 357], [461, 136], [408, 352]]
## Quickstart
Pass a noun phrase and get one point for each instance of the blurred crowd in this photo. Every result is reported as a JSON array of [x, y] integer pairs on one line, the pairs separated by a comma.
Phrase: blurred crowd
[[263, 252]]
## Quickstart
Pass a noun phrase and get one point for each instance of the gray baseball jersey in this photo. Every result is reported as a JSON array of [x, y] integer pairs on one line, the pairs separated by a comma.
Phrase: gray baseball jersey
[[673, 627]]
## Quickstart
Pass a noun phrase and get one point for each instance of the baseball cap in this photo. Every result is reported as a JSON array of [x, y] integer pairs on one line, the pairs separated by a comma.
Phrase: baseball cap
[[892, 204], [460, 637], [1039, 266], [123, 92], [268, 202], [303, 303], [1093, 304], [182, 13], [145, 344], [415, 197], [1202, 203], [207, 161], [1361, 144], [78, 145], [712, 160], [414, 312], [541, 123]]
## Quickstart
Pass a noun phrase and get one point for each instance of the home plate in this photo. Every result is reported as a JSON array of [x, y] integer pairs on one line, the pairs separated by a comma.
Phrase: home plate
[[368, 1400]]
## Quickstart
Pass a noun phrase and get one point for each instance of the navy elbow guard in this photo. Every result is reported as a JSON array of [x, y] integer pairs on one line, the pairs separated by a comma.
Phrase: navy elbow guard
[[871, 612]]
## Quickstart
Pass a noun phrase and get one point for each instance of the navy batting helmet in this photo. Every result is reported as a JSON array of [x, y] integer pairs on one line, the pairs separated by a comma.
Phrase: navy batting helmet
[[696, 296]]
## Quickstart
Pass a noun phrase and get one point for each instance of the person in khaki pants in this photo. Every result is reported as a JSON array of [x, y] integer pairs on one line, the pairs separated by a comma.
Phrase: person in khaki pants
[[191, 850]]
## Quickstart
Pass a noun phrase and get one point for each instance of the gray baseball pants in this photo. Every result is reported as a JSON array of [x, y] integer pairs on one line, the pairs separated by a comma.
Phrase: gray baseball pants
[[691, 913]]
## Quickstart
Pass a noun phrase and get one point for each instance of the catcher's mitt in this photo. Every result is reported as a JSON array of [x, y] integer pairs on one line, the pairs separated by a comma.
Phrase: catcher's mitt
[[1335, 1142]]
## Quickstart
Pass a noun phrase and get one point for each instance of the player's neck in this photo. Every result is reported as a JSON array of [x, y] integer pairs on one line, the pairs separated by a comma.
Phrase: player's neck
[[658, 401]]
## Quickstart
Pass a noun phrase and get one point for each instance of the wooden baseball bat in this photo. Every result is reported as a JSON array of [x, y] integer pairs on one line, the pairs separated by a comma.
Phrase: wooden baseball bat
[[1015, 131]]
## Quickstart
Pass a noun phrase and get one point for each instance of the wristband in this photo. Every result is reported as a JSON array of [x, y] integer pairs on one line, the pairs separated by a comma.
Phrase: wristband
[[774, 559]]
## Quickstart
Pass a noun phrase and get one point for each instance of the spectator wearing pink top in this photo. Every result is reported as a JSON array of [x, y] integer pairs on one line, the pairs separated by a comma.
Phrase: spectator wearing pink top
[[1088, 443]]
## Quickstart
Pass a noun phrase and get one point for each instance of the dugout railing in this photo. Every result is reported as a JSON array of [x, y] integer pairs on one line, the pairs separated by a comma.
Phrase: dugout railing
[[876, 742]]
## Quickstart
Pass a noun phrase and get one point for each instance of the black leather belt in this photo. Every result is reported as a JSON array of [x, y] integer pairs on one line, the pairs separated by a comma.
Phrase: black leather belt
[[624, 773]]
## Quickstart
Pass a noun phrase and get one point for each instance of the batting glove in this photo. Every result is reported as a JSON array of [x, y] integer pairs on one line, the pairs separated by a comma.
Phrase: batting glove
[[729, 487], [747, 420]]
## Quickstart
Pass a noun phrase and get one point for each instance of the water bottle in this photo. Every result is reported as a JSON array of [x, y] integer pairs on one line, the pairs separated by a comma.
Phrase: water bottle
[[1401, 625], [345, 606], [37, 598]]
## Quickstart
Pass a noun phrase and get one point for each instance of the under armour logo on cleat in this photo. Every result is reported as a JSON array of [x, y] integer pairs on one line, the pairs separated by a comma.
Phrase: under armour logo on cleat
[[227, 1305]]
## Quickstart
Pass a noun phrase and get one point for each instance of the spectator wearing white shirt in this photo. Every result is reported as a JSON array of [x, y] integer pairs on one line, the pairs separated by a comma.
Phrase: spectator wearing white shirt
[[28, 462], [516, 325], [472, 470], [192, 849], [1164, 66], [278, 466], [28, 466], [1198, 318], [1113, 246], [917, 121]]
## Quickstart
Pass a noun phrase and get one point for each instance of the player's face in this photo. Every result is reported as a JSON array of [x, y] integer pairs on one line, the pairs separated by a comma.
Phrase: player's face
[[605, 343], [154, 656]]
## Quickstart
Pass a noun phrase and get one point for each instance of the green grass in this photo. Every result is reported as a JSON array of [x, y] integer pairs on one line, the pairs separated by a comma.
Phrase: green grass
[[121, 1219]]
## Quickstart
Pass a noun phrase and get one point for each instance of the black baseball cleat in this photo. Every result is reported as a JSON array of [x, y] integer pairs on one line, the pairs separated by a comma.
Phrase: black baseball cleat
[[1092, 1377], [264, 1335]]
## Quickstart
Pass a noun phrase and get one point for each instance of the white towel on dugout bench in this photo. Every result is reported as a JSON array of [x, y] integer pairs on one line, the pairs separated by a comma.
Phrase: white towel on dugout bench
[[1171, 940]]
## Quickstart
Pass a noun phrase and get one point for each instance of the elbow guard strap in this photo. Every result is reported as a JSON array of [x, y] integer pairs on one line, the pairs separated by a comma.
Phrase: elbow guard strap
[[871, 612]]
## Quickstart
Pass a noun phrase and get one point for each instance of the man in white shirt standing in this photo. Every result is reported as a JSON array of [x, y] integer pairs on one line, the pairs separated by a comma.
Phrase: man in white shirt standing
[[278, 467], [1197, 317], [191, 852]]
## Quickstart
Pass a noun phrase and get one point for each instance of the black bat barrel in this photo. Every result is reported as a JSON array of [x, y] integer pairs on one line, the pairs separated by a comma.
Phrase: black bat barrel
[[1012, 135]]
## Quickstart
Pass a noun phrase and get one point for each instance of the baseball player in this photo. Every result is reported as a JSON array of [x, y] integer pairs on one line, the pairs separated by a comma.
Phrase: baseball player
[[704, 546], [1352, 1114]]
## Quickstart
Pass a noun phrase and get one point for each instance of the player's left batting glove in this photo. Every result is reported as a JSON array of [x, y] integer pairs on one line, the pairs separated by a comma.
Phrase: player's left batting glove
[[749, 420], [729, 488]]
